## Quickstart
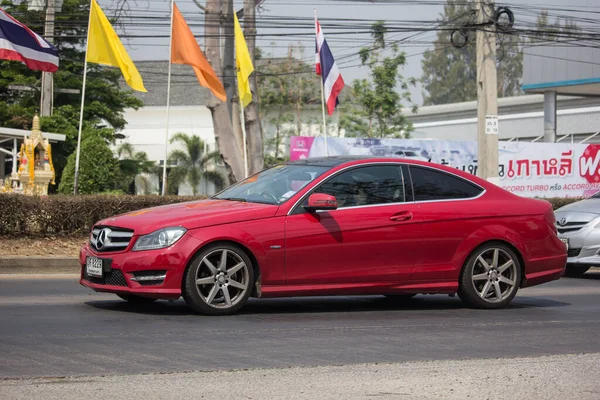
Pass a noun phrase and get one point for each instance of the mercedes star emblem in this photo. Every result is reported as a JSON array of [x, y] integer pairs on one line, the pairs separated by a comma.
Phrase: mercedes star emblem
[[102, 238]]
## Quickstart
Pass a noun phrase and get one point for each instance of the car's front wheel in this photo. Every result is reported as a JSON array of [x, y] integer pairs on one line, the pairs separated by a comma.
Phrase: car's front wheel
[[219, 280], [491, 277]]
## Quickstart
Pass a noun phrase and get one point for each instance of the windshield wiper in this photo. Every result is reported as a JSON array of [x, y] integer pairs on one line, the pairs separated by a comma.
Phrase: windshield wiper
[[232, 199]]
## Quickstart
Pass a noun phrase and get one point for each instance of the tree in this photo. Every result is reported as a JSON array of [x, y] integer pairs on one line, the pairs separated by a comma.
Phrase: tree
[[229, 144], [99, 169], [379, 111], [105, 100], [287, 87], [132, 164], [252, 121], [191, 164], [558, 30], [450, 73]]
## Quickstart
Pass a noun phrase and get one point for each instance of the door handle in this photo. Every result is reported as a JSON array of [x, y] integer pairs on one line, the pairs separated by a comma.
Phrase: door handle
[[402, 216]]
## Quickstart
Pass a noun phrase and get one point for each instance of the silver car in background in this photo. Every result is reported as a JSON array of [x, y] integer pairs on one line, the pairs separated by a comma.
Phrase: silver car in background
[[578, 226]]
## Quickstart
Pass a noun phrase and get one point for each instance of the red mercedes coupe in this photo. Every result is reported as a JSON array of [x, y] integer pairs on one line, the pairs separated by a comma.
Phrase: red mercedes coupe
[[331, 226]]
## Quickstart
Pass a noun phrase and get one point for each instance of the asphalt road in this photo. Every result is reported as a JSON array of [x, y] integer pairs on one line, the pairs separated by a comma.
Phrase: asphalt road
[[52, 327]]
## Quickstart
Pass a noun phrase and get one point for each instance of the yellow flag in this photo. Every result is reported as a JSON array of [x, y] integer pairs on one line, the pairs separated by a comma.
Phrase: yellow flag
[[243, 63], [104, 47]]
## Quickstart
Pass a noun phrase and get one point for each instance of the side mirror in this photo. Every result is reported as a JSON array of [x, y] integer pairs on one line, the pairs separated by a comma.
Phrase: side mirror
[[321, 202]]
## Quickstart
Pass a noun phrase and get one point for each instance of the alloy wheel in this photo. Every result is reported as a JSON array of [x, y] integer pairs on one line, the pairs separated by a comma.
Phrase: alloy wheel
[[494, 275], [222, 278]]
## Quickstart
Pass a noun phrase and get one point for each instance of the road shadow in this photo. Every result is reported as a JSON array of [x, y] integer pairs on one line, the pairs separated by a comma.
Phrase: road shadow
[[323, 305], [591, 275]]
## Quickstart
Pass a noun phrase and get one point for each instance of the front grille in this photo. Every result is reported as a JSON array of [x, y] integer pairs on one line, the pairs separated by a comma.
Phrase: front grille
[[573, 252], [106, 238], [114, 278], [571, 226]]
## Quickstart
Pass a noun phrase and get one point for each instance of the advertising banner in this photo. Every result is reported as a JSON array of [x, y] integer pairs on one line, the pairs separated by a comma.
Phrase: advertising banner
[[525, 168]]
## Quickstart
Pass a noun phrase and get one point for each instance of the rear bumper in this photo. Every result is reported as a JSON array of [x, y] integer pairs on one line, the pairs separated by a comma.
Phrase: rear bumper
[[546, 270]]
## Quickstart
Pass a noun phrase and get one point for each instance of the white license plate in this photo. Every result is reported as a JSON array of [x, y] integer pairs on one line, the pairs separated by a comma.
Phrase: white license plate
[[566, 242], [93, 266]]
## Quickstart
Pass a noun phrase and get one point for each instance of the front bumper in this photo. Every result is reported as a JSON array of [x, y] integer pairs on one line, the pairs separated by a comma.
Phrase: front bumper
[[120, 276], [584, 247]]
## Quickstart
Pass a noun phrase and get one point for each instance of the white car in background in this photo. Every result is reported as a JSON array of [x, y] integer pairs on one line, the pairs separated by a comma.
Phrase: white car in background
[[578, 225], [410, 155]]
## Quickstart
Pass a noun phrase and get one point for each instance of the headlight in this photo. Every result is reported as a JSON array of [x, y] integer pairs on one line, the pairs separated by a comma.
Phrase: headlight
[[159, 239]]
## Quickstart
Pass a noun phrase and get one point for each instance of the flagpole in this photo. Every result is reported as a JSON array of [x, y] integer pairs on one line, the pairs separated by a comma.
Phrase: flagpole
[[164, 187], [322, 98], [243, 123], [77, 154]]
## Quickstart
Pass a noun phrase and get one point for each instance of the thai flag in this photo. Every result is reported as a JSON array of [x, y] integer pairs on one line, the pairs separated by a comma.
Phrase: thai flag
[[19, 43], [333, 83]]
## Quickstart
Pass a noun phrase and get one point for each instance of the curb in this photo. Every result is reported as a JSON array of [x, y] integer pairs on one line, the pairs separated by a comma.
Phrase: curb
[[43, 265]]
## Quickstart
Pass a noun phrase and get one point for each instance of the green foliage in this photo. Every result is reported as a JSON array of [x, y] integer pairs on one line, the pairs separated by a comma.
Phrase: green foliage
[[105, 101], [559, 29], [287, 88], [191, 164], [98, 168], [379, 99], [70, 215], [132, 164]]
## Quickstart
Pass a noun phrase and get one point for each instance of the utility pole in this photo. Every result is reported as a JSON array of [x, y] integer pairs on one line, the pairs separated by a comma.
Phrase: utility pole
[[47, 93], [487, 93]]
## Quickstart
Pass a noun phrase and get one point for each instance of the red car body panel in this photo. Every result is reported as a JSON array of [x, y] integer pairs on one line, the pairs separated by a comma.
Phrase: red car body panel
[[362, 250]]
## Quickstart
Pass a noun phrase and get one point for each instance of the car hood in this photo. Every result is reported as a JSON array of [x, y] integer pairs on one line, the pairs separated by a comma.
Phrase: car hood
[[581, 212], [190, 215], [590, 206]]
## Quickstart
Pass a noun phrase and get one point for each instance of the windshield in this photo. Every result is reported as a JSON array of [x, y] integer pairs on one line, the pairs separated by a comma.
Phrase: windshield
[[410, 153], [273, 186]]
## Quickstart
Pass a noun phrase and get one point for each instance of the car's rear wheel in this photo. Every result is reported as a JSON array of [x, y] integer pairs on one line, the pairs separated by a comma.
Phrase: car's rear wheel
[[491, 277], [130, 298], [575, 271], [219, 280]]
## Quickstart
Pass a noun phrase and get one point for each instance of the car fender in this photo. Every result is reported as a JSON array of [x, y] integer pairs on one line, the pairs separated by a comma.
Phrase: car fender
[[263, 240], [487, 233], [229, 233]]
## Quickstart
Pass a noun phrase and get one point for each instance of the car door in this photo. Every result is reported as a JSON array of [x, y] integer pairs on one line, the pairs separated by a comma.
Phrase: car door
[[448, 217], [373, 236]]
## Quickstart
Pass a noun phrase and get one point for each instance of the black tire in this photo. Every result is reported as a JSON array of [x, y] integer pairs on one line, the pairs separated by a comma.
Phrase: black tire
[[196, 296], [400, 297], [139, 300], [471, 289], [576, 271]]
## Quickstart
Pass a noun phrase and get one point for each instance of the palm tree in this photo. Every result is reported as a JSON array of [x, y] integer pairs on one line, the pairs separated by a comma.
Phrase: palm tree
[[191, 163], [132, 164]]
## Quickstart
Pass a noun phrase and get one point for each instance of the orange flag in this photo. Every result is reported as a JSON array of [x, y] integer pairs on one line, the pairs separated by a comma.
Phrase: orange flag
[[185, 50]]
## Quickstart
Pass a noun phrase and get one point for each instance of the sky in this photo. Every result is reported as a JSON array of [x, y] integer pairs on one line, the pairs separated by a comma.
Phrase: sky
[[281, 17]]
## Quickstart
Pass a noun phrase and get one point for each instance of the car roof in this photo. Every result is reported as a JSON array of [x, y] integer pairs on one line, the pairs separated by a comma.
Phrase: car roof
[[337, 161], [331, 161]]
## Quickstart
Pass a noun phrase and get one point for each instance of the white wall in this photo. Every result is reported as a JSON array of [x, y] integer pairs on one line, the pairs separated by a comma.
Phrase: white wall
[[145, 130]]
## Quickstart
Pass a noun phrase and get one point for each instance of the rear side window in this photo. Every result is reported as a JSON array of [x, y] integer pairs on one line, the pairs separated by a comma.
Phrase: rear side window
[[431, 184], [364, 186]]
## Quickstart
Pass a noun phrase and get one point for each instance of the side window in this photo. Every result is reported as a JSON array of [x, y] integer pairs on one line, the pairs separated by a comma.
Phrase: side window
[[363, 186], [430, 184]]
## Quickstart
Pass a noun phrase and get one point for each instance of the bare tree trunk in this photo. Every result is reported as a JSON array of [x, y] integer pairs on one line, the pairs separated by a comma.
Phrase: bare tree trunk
[[228, 55], [256, 160], [228, 143]]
